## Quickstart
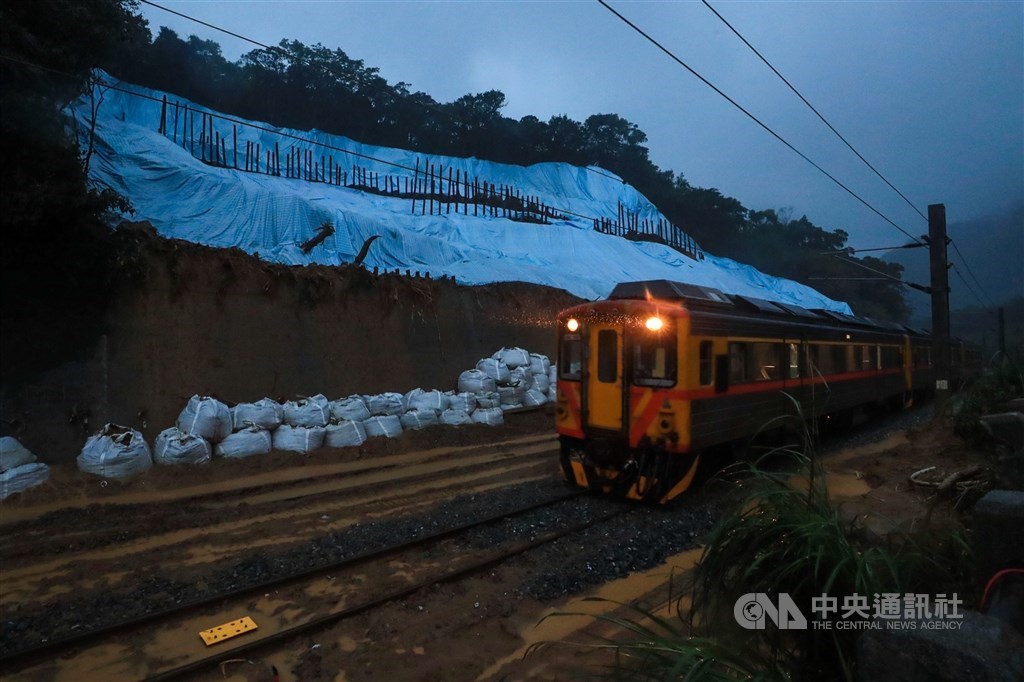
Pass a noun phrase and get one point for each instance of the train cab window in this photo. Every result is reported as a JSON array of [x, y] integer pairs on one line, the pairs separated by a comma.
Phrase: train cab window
[[607, 356], [654, 359], [794, 361], [737, 363], [570, 357], [706, 368]]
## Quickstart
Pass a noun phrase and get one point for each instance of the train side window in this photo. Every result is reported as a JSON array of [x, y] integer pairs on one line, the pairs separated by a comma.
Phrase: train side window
[[654, 359], [705, 363], [867, 362], [823, 359], [794, 361], [570, 357], [763, 362], [737, 363], [607, 356]]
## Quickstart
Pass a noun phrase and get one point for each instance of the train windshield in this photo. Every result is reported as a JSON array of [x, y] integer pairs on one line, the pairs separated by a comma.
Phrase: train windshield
[[654, 359], [570, 357]]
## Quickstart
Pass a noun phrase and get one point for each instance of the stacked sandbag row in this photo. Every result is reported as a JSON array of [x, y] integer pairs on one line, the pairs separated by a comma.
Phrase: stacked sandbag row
[[511, 378], [19, 469]]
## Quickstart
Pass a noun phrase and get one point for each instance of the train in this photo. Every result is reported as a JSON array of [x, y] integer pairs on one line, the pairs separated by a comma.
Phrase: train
[[662, 373]]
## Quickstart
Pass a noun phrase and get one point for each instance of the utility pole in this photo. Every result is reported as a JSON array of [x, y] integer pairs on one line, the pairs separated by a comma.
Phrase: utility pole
[[940, 304]]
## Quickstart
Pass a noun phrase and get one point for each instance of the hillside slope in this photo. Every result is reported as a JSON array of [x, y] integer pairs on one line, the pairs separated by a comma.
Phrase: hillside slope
[[271, 216]]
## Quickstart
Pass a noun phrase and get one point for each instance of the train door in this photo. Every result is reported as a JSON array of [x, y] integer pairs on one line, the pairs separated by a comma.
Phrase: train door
[[604, 378]]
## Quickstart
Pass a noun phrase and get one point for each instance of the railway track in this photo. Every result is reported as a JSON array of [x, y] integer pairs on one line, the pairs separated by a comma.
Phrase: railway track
[[165, 644]]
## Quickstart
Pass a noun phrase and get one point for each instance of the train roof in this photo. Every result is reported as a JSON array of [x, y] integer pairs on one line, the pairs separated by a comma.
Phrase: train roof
[[708, 297]]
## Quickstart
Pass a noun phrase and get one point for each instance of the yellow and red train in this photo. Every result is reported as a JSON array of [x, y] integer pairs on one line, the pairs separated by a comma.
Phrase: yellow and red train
[[662, 372]]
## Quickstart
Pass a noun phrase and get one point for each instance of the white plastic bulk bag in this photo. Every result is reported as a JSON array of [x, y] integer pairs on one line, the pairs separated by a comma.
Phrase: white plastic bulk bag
[[464, 402], [248, 442], [488, 400], [453, 417], [116, 452], [521, 377], [475, 381], [553, 393], [507, 396], [174, 446], [344, 434], [298, 438], [418, 399], [413, 420], [553, 374], [386, 404], [541, 383], [266, 413], [495, 369], [22, 477], [514, 357], [539, 364], [534, 397], [206, 417], [308, 412], [389, 426], [492, 416], [513, 406], [352, 408], [13, 454]]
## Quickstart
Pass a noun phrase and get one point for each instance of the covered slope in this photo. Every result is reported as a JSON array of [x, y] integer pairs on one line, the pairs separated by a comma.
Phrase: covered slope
[[272, 216]]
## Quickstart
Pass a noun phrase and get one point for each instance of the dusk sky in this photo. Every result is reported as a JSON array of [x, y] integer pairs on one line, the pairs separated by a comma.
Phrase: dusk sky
[[931, 93]]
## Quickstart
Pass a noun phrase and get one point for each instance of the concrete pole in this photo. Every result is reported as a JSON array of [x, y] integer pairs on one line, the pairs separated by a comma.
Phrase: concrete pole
[[940, 305]]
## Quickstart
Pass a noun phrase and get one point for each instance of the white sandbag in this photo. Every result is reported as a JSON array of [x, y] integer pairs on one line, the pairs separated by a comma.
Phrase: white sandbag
[[521, 377], [117, 452], [266, 413], [418, 399], [492, 416], [475, 381], [308, 412], [541, 383], [514, 357], [385, 404], [512, 406], [539, 364], [248, 442], [352, 408], [534, 398], [488, 400], [174, 446], [206, 417], [13, 454], [22, 477], [553, 374], [389, 426], [553, 393], [508, 395], [344, 434], [463, 402], [418, 419], [453, 417], [495, 369], [298, 438]]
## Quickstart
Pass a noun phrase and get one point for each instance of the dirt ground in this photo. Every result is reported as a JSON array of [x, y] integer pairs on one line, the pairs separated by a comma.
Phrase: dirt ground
[[491, 626]]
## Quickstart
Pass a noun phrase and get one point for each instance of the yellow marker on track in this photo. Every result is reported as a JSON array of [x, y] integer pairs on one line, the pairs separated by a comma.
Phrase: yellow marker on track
[[228, 630]]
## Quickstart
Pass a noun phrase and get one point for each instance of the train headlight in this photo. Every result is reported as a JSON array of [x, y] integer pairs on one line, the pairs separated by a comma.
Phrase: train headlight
[[653, 323], [573, 324]]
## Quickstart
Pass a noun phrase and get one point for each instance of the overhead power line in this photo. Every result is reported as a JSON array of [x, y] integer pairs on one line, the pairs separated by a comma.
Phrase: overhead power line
[[437, 108], [754, 118], [812, 108], [971, 272]]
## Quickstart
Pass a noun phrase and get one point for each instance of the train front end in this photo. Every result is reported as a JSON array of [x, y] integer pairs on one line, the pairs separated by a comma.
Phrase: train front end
[[622, 413]]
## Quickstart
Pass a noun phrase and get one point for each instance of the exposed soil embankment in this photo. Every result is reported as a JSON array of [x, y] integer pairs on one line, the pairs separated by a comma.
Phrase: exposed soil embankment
[[190, 319]]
